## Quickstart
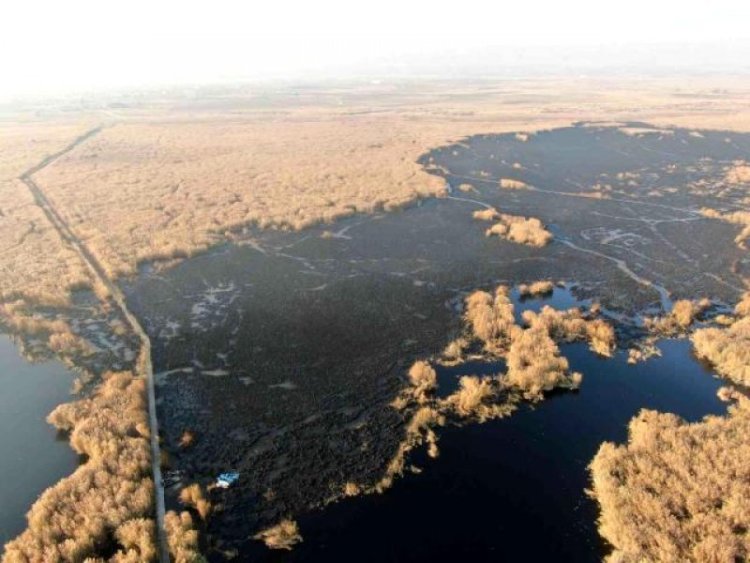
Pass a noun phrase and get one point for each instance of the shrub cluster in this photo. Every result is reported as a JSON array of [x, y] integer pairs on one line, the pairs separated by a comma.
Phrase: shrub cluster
[[537, 288], [522, 230], [182, 538], [677, 491], [679, 319], [510, 184], [283, 535], [728, 348]]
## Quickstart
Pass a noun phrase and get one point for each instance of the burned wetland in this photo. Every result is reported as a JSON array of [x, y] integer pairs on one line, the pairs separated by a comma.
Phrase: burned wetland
[[433, 380], [279, 354]]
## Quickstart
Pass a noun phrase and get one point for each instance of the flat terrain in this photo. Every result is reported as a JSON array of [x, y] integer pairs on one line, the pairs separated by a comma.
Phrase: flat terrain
[[291, 251], [281, 351]]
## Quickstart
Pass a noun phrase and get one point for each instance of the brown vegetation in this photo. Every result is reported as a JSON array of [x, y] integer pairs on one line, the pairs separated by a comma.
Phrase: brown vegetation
[[728, 394], [106, 499], [738, 173], [533, 357], [643, 351], [182, 538], [422, 385], [679, 319], [419, 430], [54, 330], [491, 318], [283, 535], [727, 348], [163, 191], [454, 351], [677, 491], [352, 489], [479, 398], [57, 332], [187, 439], [536, 288], [742, 309], [487, 214], [572, 325], [423, 380], [192, 495], [191, 174], [510, 184], [35, 263], [684, 312], [741, 218], [535, 364], [522, 230]]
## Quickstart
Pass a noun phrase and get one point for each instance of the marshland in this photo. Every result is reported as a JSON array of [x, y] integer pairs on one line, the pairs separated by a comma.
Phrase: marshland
[[459, 333]]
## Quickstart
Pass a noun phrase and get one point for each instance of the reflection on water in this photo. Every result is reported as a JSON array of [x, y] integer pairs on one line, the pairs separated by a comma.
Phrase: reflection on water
[[561, 298], [32, 456], [512, 489]]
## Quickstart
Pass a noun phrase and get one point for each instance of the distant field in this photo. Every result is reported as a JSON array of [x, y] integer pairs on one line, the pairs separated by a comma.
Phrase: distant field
[[169, 177], [34, 261], [360, 218]]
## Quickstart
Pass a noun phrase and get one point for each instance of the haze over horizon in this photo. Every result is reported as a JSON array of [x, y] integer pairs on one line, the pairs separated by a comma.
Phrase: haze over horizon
[[85, 49]]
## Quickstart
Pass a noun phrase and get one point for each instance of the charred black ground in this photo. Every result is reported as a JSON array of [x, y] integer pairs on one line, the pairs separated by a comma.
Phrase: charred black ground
[[281, 352]]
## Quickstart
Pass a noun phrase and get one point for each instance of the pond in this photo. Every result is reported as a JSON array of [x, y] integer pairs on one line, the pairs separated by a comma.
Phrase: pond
[[32, 454]]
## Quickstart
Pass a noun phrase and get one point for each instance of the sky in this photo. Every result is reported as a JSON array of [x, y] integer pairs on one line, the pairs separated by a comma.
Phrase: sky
[[53, 46]]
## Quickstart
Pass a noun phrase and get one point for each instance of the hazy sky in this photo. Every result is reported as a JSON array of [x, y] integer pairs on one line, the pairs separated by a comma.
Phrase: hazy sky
[[49, 46]]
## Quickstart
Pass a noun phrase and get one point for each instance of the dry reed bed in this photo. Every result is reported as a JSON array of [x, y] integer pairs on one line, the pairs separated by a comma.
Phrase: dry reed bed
[[169, 191], [534, 366], [511, 184], [35, 262], [728, 347], [678, 321], [191, 180], [536, 289], [522, 230], [741, 218], [171, 182], [59, 336], [182, 538], [284, 535], [108, 501], [678, 491], [738, 174]]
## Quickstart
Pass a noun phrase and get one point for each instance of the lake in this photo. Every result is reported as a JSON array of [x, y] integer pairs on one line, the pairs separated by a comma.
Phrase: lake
[[32, 454]]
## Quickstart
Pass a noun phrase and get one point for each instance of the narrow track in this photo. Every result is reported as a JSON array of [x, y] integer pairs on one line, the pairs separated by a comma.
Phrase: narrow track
[[143, 366]]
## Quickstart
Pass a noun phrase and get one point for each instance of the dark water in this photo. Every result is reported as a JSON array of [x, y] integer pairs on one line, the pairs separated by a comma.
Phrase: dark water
[[448, 377], [512, 489], [561, 299], [32, 456], [343, 318]]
